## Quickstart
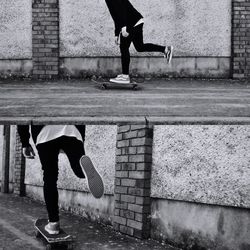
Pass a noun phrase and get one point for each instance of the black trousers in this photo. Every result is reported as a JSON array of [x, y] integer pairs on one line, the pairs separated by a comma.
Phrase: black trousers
[[48, 154], [135, 36]]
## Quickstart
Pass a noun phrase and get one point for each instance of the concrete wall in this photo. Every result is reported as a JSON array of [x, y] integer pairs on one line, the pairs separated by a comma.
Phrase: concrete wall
[[196, 226], [15, 29], [205, 164], [15, 38], [86, 28], [199, 30], [194, 27], [193, 167]]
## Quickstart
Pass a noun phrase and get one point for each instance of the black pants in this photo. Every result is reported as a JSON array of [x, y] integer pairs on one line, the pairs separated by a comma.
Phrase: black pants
[[48, 154], [135, 36]]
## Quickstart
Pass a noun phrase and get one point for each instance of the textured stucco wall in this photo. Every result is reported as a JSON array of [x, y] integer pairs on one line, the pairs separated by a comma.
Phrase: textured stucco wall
[[194, 27], [208, 164], [15, 29], [100, 143]]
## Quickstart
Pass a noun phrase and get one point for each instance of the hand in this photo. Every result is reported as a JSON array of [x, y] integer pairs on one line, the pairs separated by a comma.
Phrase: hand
[[124, 32], [117, 40], [28, 152]]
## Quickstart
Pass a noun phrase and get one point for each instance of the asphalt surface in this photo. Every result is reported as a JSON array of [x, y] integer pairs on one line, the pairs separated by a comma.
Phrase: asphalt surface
[[17, 231], [181, 101]]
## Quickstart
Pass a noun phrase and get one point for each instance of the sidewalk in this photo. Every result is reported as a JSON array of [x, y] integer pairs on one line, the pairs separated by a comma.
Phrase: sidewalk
[[17, 232], [179, 101]]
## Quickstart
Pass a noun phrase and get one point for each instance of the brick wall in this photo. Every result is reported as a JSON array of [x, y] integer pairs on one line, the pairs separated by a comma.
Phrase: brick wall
[[241, 39], [132, 180], [19, 169], [45, 38]]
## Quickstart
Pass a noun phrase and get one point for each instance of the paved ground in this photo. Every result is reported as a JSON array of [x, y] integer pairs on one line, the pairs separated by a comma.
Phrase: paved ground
[[17, 232], [158, 101]]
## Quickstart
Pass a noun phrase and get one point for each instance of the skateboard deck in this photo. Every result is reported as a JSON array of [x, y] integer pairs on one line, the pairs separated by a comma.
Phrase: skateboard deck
[[107, 84], [61, 239]]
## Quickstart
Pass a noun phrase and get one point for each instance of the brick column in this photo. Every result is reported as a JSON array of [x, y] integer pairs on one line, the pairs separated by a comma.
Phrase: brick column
[[45, 38], [132, 180], [241, 39], [19, 169]]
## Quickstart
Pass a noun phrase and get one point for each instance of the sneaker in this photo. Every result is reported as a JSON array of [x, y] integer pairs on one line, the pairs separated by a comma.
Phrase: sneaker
[[53, 228], [94, 179], [169, 53], [123, 79]]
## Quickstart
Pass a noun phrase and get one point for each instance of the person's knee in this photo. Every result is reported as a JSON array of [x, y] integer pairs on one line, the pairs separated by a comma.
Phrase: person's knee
[[50, 178], [139, 48], [124, 51]]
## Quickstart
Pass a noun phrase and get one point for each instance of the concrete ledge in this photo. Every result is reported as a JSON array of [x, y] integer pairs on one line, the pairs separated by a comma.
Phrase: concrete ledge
[[15, 68], [199, 67], [197, 226], [80, 203], [152, 120]]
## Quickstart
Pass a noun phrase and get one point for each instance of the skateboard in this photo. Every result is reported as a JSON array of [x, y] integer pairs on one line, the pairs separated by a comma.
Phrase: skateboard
[[51, 241], [107, 84]]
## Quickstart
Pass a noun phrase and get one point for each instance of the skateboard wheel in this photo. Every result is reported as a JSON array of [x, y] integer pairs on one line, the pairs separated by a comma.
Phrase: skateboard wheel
[[104, 86], [48, 247], [70, 247]]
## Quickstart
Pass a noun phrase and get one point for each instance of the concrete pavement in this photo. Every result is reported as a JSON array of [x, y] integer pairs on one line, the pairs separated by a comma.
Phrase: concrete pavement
[[17, 232], [182, 101]]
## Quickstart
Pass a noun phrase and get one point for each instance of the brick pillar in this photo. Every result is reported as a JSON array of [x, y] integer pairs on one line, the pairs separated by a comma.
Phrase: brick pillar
[[45, 38], [241, 39], [19, 169], [132, 180]]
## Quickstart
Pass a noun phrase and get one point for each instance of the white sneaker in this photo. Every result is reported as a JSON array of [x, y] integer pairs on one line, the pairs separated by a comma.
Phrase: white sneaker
[[53, 228], [123, 79], [169, 53]]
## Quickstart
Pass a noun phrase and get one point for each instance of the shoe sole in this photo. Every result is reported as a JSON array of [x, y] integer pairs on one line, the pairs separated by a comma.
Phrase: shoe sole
[[94, 179], [119, 82]]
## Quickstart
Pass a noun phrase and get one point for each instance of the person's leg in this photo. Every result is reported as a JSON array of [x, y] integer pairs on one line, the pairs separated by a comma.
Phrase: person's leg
[[82, 165], [74, 149], [125, 60], [125, 54], [140, 46], [48, 154]]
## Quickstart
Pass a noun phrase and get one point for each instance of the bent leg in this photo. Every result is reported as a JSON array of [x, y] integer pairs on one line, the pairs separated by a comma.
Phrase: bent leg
[[48, 154], [74, 149], [140, 46]]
